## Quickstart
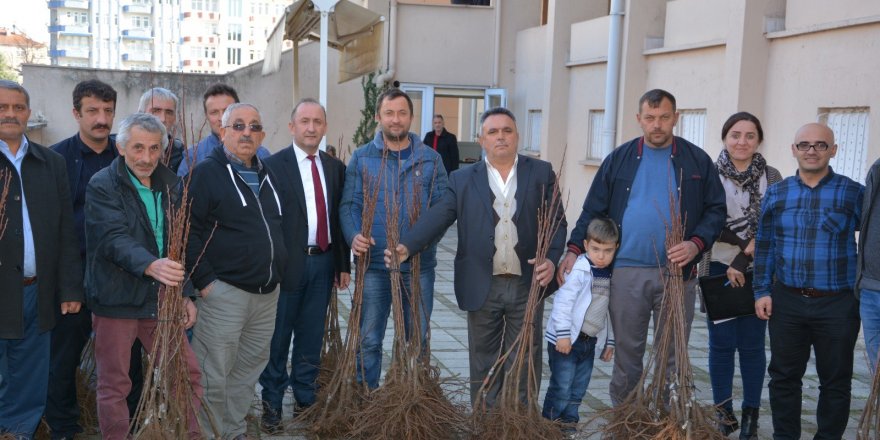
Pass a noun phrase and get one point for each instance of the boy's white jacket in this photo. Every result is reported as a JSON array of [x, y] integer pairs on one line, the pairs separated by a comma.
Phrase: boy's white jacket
[[570, 305]]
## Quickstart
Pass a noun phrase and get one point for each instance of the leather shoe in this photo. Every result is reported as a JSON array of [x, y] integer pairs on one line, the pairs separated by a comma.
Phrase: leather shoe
[[727, 423], [749, 424], [271, 419]]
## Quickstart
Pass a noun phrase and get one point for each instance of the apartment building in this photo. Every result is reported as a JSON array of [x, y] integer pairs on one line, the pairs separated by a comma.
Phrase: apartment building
[[197, 36]]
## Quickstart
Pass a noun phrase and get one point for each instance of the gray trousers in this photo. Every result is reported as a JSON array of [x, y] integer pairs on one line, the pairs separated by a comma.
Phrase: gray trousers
[[493, 329], [636, 297], [231, 343]]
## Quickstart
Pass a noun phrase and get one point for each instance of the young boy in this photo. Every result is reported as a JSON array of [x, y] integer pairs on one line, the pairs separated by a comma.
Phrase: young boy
[[580, 310]]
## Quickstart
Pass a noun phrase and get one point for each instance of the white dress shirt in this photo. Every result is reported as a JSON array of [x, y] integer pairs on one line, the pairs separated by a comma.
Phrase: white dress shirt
[[495, 175], [30, 256], [305, 172]]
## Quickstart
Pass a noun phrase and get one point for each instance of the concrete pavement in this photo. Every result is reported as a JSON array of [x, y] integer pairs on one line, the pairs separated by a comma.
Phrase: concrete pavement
[[449, 352]]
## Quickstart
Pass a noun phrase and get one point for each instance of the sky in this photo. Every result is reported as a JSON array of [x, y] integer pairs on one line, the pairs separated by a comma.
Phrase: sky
[[31, 16]]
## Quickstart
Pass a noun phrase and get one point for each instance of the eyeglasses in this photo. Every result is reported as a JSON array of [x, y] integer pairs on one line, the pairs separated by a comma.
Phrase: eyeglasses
[[238, 126], [805, 146]]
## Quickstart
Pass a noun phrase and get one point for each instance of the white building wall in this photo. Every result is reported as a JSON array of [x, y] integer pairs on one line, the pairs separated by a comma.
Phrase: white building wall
[[788, 62]]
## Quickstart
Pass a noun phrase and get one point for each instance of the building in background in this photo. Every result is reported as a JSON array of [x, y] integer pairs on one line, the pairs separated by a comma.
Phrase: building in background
[[17, 49], [788, 62], [197, 36]]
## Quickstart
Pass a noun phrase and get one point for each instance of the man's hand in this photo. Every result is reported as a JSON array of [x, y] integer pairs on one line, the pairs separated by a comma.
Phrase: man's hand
[[402, 255], [736, 278], [70, 307], [563, 345], [750, 249], [764, 307], [360, 245], [607, 354], [342, 280], [191, 313], [682, 253], [565, 267], [543, 271], [207, 290], [165, 271]]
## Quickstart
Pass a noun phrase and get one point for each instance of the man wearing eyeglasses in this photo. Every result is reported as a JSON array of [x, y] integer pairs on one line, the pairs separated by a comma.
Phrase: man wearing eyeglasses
[[236, 254], [806, 243]]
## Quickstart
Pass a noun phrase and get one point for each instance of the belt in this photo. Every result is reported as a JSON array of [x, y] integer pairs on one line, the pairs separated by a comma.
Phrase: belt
[[507, 275], [585, 336], [809, 292], [28, 281], [315, 250]]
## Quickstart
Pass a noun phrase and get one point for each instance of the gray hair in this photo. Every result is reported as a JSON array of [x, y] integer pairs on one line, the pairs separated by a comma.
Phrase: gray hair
[[157, 93], [224, 120], [12, 85], [144, 121], [497, 111]]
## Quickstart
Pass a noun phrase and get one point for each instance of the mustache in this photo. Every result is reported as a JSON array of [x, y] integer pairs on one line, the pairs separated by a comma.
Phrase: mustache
[[9, 121], [99, 126], [245, 138]]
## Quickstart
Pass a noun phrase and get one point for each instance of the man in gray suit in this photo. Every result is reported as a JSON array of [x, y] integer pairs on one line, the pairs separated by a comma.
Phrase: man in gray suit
[[496, 203]]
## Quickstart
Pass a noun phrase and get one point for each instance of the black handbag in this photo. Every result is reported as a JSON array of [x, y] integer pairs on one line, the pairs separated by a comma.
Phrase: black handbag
[[724, 301]]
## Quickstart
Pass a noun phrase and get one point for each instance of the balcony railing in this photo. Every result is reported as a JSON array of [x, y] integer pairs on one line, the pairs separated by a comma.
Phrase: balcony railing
[[138, 33], [69, 4], [77, 29], [70, 53], [144, 57], [137, 8]]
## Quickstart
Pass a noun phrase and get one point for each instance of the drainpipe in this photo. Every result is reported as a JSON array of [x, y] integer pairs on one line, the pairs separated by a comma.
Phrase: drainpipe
[[612, 79], [392, 46], [497, 63]]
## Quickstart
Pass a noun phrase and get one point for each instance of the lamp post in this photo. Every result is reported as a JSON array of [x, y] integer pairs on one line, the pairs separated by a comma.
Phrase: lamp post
[[325, 7]]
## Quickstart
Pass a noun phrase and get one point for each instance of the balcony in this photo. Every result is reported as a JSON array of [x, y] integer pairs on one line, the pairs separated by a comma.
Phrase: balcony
[[141, 57], [70, 29], [69, 4], [138, 33], [70, 53], [137, 8]]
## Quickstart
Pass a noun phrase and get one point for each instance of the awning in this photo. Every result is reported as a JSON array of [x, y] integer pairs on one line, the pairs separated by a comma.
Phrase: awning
[[354, 30]]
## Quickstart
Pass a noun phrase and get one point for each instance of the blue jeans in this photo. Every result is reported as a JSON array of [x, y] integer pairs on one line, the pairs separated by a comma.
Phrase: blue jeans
[[746, 335], [374, 318], [301, 313], [569, 377], [869, 309], [24, 368]]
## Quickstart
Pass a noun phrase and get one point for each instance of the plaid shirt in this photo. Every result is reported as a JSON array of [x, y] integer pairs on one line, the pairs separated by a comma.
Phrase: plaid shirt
[[806, 237]]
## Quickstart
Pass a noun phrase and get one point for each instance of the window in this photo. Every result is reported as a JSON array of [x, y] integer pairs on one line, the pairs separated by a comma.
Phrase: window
[[692, 126], [77, 18], [204, 52], [850, 127], [596, 124], [234, 32], [233, 56], [533, 136], [139, 21], [198, 4], [234, 8]]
